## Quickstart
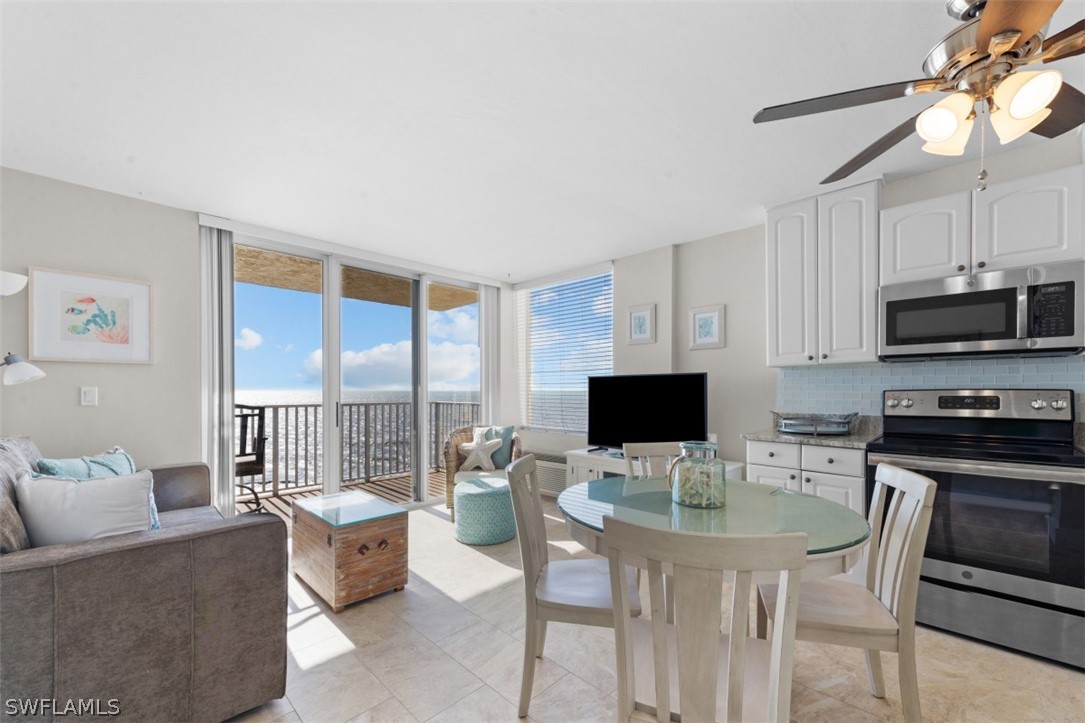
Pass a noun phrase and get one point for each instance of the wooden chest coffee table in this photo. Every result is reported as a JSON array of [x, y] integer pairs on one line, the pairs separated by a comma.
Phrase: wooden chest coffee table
[[349, 546]]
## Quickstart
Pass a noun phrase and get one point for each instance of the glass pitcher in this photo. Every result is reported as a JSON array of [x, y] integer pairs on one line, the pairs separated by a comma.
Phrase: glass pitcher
[[696, 478]]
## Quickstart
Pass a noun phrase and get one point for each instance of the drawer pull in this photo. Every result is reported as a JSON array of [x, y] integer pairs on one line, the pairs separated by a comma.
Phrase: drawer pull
[[382, 545], [329, 540], [363, 549], [830, 460], [772, 454]]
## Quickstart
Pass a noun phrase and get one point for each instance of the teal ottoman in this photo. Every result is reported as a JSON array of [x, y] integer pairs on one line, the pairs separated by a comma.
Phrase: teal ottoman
[[483, 512]]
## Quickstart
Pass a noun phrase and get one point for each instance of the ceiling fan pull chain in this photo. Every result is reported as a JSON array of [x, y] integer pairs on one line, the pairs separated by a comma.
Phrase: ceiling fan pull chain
[[982, 177]]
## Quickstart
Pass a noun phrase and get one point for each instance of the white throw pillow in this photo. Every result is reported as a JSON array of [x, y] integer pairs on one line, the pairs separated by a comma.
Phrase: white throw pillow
[[56, 510], [478, 451]]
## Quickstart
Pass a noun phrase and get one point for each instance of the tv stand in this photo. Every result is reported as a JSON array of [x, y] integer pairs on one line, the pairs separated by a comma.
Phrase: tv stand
[[582, 465]]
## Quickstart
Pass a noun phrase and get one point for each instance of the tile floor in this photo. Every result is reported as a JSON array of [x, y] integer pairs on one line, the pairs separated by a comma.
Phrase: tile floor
[[448, 648]]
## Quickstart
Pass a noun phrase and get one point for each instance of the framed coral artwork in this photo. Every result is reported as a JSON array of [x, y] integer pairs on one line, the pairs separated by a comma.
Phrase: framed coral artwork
[[88, 318]]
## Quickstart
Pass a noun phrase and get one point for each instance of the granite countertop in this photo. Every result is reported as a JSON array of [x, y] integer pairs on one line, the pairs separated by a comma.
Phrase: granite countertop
[[867, 429]]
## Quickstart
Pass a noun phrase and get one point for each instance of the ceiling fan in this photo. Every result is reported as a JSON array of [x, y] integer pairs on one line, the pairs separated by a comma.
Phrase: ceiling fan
[[978, 63]]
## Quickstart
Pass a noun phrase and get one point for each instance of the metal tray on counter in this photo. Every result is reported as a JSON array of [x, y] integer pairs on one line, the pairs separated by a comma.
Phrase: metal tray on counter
[[818, 424]]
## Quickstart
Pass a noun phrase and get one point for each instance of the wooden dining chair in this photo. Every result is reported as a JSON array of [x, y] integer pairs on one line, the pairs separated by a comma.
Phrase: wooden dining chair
[[666, 671], [654, 457], [565, 591], [880, 616]]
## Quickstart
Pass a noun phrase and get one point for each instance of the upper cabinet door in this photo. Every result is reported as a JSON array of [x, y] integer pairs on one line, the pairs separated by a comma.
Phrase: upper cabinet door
[[1030, 221], [928, 239], [848, 274], [791, 281]]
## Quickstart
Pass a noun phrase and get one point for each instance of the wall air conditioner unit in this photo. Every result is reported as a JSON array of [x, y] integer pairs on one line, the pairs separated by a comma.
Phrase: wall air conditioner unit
[[551, 471]]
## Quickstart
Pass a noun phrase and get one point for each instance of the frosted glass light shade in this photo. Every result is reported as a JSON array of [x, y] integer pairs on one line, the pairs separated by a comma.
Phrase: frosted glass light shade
[[17, 371], [946, 125], [11, 283], [1021, 100]]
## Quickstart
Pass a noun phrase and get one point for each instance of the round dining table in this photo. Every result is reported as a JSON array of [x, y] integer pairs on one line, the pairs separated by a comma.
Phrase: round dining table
[[837, 535]]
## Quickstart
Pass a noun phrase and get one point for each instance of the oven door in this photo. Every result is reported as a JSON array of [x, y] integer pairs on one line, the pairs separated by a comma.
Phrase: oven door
[[949, 316], [1014, 529]]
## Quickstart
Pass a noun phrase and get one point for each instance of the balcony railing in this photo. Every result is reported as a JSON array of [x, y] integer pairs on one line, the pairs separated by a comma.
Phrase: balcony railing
[[376, 441]]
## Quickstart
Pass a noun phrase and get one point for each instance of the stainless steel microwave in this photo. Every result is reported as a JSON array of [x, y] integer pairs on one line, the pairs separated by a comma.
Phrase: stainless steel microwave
[[1032, 310]]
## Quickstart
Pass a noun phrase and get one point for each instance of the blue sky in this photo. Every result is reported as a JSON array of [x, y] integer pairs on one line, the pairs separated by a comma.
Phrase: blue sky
[[277, 342]]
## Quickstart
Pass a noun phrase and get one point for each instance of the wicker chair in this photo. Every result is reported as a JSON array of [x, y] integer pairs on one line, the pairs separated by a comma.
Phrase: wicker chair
[[453, 459]]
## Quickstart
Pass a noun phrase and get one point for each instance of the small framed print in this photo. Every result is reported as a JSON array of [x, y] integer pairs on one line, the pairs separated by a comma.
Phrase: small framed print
[[642, 324], [706, 327], [88, 318]]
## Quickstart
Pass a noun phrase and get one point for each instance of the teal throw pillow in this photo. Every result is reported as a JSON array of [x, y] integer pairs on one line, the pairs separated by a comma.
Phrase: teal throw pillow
[[114, 463], [503, 455]]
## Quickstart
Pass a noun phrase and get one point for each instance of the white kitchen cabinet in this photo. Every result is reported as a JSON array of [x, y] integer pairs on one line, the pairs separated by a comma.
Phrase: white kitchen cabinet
[[791, 276], [834, 473], [582, 466], [1026, 221], [929, 239], [821, 278], [1031, 220]]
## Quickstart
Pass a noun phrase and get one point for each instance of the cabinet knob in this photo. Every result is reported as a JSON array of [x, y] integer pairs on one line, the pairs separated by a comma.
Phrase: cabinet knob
[[824, 356], [791, 476], [981, 264], [810, 358], [806, 480], [960, 267], [772, 454], [830, 460]]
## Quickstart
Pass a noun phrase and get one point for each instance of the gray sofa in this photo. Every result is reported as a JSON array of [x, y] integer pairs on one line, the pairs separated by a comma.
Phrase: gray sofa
[[186, 623]]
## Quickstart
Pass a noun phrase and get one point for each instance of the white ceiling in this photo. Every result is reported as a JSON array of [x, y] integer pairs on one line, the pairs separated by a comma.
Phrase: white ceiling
[[507, 141]]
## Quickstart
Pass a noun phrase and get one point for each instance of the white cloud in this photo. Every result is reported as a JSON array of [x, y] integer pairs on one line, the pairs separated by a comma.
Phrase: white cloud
[[285, 349], [454, 325], [249, 339], [388, 366]]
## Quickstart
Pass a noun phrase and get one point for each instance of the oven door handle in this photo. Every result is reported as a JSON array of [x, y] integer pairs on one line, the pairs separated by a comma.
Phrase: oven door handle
[[982, 469]]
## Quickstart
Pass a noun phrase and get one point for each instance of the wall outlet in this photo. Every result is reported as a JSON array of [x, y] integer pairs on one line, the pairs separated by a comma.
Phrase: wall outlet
[[88, 396]]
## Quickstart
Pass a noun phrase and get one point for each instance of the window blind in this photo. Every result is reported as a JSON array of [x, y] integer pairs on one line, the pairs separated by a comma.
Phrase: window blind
[[566, 334]]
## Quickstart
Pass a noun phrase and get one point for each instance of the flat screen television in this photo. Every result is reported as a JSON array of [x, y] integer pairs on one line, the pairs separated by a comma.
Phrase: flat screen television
[[647, 408]]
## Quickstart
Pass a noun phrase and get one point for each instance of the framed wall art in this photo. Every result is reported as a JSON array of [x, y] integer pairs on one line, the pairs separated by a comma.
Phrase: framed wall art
[[706, 327], [88, 318], [642, 324]]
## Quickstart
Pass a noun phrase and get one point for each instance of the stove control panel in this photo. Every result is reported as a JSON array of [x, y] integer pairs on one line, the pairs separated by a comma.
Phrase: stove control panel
[[1053, 404]]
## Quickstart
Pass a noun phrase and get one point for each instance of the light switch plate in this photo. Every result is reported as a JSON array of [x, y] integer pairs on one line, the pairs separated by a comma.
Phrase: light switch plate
[[88, 396]]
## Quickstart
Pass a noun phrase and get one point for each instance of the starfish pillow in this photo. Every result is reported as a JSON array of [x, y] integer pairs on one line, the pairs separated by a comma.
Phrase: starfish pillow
[[478, 451]]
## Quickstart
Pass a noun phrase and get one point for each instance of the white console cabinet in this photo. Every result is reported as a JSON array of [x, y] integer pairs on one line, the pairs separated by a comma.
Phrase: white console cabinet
[[582, 465]]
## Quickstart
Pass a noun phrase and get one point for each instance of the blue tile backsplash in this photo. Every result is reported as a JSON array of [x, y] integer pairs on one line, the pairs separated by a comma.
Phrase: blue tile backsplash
[[834, 388]]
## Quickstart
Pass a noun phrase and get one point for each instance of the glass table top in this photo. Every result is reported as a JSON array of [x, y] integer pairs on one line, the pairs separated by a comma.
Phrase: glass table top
[[349, 508], [751, 509]]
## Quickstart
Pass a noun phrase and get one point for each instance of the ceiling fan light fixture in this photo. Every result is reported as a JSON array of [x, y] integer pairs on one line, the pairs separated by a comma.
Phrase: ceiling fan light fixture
[[1031, 95], [936, 124], [955, 144], [1009, 129]]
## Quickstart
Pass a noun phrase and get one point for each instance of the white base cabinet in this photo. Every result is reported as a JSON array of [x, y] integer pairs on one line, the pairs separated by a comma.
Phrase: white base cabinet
[[582, 465], [833, 473]]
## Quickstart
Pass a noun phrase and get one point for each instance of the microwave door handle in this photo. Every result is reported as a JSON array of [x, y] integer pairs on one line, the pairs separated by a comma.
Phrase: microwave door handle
[[1023, 321]]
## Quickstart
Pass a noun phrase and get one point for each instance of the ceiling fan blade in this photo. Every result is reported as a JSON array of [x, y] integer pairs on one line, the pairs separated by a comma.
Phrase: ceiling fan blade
[[1023, 16], [847, 99], [875, 149], [1067, 113], [1073, 37]]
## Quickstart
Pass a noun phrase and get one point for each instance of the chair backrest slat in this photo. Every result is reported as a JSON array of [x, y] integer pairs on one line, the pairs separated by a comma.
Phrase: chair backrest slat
[[699, 563], [896, 548], [654, 458], [528, 511]]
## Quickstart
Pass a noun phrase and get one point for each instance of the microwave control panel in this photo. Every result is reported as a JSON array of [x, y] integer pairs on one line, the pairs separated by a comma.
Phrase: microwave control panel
[[1051, 310]]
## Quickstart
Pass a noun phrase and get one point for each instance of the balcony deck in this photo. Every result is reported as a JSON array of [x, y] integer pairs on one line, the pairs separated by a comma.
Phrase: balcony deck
[[394, 488]]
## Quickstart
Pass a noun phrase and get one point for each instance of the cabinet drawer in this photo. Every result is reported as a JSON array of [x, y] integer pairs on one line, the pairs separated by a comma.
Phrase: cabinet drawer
[[835, 460], [774, 454]]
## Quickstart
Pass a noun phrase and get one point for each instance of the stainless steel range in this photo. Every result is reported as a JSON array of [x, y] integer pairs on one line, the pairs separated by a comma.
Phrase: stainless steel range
[[1005, 558]]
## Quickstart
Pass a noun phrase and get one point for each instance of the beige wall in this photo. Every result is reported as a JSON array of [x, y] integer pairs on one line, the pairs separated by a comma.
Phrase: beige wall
[[728, 269], [152, 410], [646, 278]]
